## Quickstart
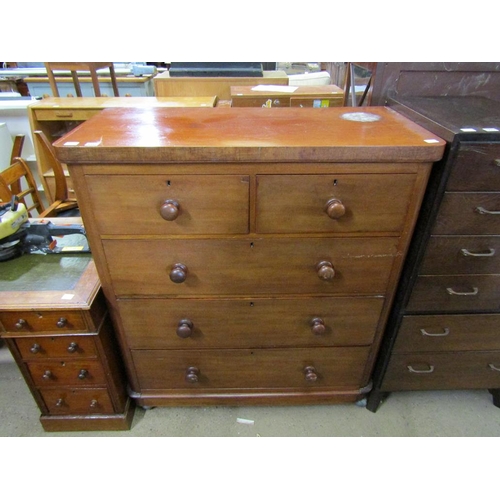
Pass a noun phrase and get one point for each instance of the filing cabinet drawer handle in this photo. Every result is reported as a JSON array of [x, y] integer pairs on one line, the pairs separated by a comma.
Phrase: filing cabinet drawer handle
[[412, 370], [310, 374], [318, 326], [493, 367], [178, 273], [192, 375], [334, 208], [475, 291], [446, 331], [483, 211], [185, 328], [489, 253], [170, 210], [325, 270]]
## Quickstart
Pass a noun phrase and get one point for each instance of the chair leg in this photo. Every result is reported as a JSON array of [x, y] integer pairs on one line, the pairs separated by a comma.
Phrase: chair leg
[[95, 83], [113, 80], [76, 83]]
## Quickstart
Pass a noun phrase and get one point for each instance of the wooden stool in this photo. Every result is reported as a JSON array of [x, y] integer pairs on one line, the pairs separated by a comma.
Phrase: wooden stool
[[74, 67]]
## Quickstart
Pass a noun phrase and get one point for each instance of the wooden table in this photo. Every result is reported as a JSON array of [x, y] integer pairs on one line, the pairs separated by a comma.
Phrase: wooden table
[[55, 321], [167, 86], [271, 96], [58, 115]]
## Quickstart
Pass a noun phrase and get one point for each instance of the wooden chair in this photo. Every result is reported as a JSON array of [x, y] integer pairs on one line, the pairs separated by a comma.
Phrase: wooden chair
[[47, 155], [74, 67], [349, 84]]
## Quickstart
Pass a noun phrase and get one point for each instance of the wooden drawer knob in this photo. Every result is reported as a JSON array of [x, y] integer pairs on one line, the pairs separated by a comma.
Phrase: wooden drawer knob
[[83, 374], [47, 375], [310, 374], [61, 322], [192, 374], [318, 326], [178, 274], [35, 348], [170, 210], [334, 208], [325, 270], [94, 403], [73, 347], [21, 323], [185, 328], [60, 402]]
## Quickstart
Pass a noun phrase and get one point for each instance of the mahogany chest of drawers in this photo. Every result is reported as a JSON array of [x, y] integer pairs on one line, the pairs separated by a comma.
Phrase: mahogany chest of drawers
[[250, 255], [443, 332], [54, 319]]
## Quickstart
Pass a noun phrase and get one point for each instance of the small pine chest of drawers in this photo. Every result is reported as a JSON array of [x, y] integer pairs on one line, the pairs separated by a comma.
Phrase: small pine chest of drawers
[[54, 319], [250, 255], [444, 330]]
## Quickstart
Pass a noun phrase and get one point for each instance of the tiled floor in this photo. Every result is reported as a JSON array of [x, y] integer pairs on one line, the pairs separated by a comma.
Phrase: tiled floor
[[440, 413]]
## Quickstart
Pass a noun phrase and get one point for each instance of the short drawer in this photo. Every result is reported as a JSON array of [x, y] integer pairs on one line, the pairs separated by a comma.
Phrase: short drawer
[[284, 266], [254, 322], [462, 255], [468, 214], [43, 321], [77, 401], [435, 371], [63, 114], [333, 203], [476, 168], [243, 368], [455, 293], [72, 373], [57, 347], [457, 332], [170, 204]]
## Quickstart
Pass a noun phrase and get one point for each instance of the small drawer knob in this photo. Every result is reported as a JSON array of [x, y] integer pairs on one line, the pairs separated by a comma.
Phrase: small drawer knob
[[192, 374], [318, 326], [94, 403], [325, 270], [47, 375], [169, 210], [21, 323], [496, 161], [185, 328], [310, 374], [73, 347], [83, 374], [60, 402], [334, 208], [178, 274], [35, 348], [61, 322]]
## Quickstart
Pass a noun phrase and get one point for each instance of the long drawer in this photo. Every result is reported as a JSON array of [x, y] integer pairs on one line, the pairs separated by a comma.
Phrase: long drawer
[[250, 323], [467, 293], [245, 368], [449, 332], [343, 266], [453, 370]]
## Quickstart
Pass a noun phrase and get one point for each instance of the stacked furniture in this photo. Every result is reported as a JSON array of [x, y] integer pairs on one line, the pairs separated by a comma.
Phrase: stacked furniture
[[444, 330], [249, 255]]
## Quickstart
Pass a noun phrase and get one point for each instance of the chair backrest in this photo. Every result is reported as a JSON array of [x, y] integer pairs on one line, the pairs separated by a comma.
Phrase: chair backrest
[[18, 180]]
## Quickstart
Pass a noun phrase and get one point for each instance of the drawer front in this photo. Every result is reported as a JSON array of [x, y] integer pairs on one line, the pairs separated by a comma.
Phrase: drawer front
[[73, 373], [251, 266], [476, 168], [462, 255], [457, 332], [433, 371], [170, 204], [469, 213], [65, 114], [316, 102], [57, 347], [77, 401], [243, 368], [455, 293], [261, 102], [188, 324], [356, 203], [43, 321]]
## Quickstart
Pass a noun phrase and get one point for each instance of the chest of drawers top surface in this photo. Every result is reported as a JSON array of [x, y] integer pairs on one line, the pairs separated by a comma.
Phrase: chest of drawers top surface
[[374, 134]]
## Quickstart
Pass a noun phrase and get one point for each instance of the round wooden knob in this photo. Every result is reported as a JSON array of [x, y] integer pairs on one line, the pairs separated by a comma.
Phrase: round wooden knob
[[60, 402], [185, 328], [94, 403], [325, 270], [334, 208], [83, 374], [318, 326], [35, 348], [73, 347], [178, 274], [61, 322], [21, 323], [310, 374], [47, 375], [192, 374], [170, 210]]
